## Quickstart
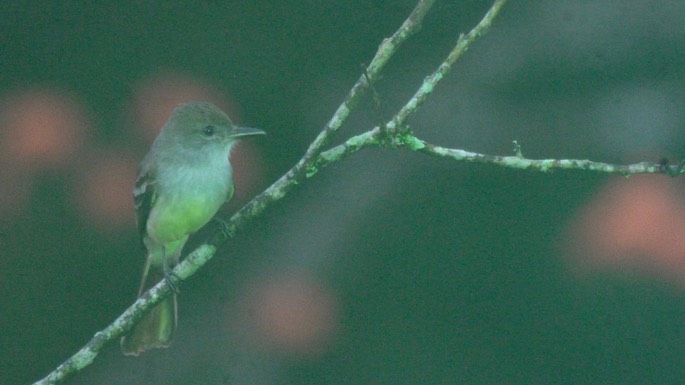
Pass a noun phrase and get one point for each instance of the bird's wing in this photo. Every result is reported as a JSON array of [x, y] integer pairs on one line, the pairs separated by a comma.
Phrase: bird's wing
[[144, 195]]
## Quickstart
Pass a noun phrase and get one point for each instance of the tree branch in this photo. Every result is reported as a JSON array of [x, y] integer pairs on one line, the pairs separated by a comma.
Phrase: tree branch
[[375, 138], [544, 165], [275, 192], [396, 129]]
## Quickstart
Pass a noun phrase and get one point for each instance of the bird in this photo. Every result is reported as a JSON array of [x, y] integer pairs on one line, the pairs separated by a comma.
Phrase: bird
[[182, 182]]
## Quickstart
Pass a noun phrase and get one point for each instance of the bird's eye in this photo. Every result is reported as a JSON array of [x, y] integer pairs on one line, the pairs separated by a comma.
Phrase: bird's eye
[[208, 131]]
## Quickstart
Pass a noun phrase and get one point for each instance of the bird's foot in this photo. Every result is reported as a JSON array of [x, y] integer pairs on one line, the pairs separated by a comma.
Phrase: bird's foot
[[171, 278]]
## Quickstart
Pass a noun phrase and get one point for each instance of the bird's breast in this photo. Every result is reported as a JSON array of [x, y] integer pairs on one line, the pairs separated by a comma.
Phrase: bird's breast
[[186, 201]]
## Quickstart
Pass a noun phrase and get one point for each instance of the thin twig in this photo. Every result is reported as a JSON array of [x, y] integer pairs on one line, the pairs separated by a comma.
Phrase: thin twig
[[373, 138], [518, 162]]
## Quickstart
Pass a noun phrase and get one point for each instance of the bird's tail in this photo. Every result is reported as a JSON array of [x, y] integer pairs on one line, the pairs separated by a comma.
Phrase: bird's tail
[[156, 328]]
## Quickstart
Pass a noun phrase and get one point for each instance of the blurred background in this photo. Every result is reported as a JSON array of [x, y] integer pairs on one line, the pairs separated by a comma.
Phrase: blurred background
[[388, 267]]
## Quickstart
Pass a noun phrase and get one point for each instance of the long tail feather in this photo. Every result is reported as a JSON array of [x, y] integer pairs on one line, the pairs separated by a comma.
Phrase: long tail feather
[[156, 329]]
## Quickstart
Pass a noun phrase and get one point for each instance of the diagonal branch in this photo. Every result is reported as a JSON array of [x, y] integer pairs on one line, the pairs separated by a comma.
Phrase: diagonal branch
[[394, 129], [302, 169], [275, 192], [463, 43]]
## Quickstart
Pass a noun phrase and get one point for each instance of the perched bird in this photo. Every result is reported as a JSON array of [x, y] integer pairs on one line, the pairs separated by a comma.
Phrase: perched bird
[[182, 182]]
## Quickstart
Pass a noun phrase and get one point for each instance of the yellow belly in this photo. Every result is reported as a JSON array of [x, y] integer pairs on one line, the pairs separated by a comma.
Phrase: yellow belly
[[174, 219]]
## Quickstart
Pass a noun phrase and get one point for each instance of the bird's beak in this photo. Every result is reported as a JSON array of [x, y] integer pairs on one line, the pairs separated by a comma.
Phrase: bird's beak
[[239, 132]]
